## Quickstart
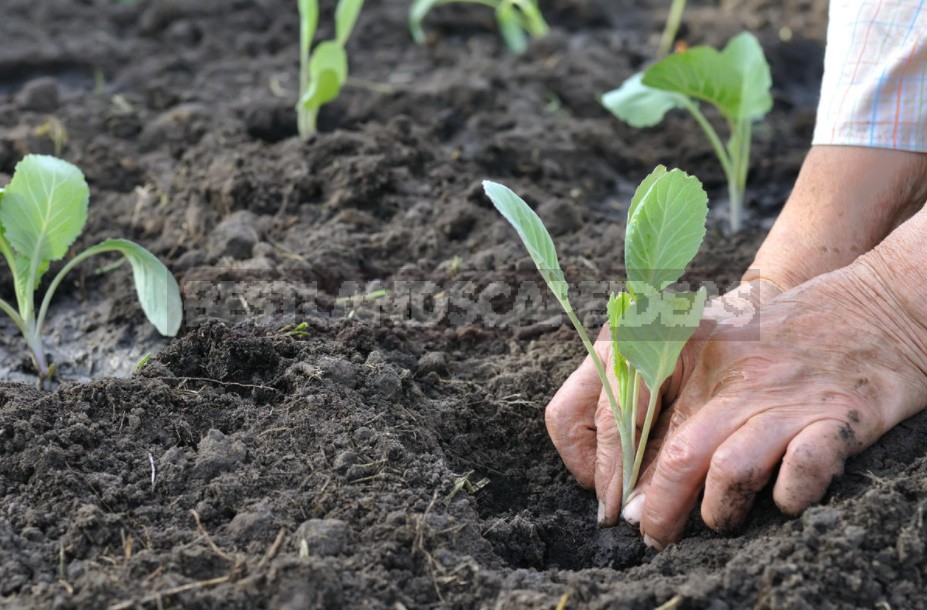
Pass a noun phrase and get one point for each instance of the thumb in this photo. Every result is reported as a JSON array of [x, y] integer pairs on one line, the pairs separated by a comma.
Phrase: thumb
[[607, 460]]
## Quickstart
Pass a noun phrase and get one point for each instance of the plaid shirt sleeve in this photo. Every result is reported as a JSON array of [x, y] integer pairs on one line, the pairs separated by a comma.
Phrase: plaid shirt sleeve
[[875, 67]]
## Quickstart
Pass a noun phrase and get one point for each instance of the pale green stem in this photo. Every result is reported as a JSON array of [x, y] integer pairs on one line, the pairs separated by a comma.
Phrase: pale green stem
[[726, 164], [14, 315], [642, 444], [628, 440], [673, 20], [596, 361], [635, 394], [40, 320], [737, 181]]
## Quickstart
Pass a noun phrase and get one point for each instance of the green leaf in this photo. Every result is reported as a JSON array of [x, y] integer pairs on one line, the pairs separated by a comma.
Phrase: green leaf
[[533, 234], [700, 73], [157, 290], [664, 232], [653, 330], [308, 22], [745, 55], [736, 81], [44, 207], [417, 13], [639, 105], [345, 17], [510, 28], [328, 71], [644, 187]]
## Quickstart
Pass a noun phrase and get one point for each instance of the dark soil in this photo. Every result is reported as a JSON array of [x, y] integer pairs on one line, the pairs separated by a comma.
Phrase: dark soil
[[385, 455]]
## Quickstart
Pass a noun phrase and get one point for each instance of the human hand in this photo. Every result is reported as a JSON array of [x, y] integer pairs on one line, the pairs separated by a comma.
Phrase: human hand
[[824, 371], [580, 421]]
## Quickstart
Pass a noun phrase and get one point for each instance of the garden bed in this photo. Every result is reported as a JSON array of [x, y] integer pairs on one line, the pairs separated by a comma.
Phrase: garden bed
[[372, 459]]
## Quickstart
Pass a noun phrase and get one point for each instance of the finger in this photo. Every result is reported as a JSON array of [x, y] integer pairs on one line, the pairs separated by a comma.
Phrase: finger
[[812, 460], [570, 418], [681, 468], [608, 461], [742, 466]]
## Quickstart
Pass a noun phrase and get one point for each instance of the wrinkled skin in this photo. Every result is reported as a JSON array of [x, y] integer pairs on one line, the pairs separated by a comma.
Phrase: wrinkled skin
[[836, 357]]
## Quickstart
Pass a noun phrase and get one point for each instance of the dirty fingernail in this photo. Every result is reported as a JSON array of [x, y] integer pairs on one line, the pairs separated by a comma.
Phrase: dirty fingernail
[[634, 507], [652, 542], [600, 518]]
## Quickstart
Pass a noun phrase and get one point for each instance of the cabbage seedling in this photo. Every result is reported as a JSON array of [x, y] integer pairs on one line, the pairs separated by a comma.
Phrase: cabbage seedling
[[736, 81], [518, 20], [323, 71], [649, 325], [42, 211]]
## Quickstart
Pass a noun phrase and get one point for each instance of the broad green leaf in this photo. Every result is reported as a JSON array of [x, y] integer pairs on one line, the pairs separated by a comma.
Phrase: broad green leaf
[[44, 210], [308, 22], [417, 13], [510, 28], [532, 233], [345, 17], [157, 290], [653, 330], [644, 187], [639, 105], [745, 55], [701, 73], [665, 232]]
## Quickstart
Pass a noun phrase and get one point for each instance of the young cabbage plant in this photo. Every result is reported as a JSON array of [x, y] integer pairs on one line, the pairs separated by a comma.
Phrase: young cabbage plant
[[649, 325], [42, 211], [323, 71], [736, 81], [518, 20]]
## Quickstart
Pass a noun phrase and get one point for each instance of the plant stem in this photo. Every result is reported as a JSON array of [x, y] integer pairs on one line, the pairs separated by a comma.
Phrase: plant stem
[[599, 366], [736, 202], [635, 390], [737, 179], [14, 315], [726, 163], [642, 444], [628, 441], [46, 300], [673, 20]]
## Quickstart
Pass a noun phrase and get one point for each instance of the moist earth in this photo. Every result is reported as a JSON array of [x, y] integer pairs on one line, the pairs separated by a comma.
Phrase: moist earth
[[302, 445]]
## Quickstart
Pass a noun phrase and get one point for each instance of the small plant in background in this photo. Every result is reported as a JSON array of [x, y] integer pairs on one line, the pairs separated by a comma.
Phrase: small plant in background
[[649, 326], [323, 70], [736, 81], [519, 20], [42, 211], [671, 29], [55, 131]]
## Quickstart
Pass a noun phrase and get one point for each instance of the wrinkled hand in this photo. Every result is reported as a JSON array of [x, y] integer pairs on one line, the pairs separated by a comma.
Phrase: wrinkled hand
[[824, 371], [580, 421]]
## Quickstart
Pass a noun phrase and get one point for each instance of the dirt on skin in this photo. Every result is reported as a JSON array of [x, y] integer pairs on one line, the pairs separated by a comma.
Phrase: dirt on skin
[[384, 455]]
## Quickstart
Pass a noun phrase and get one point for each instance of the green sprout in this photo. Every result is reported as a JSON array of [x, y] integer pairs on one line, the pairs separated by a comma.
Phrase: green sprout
[[649, 325], [673, 21], [518, 20], [323, 71], [736, 81], [42, 211]]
